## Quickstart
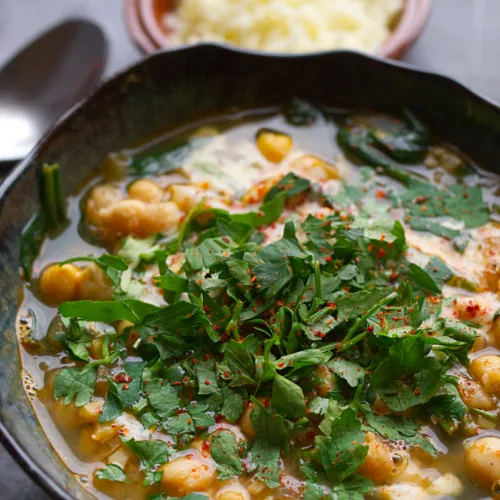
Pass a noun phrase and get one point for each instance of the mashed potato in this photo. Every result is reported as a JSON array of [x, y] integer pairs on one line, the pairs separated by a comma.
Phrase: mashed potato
[[285, 25]]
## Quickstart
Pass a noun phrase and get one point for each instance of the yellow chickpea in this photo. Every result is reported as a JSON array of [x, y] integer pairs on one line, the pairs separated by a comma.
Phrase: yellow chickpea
[[378, 464], [145, 190], [60, 284], [105, 432], [187, 474], [186, 196], [274, 146], [314, 168], [160, 217], [482, 460], [233, 491], [94, 284], [101, 197], [401, 491], [446, 485], [474, 396], [91, 411], [486, 370], [124, 216]]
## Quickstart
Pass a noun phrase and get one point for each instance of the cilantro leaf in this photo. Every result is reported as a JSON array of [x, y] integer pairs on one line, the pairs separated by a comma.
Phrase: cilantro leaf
[[421, 278], [112, 472], [439, 272], [150, 453], [74, 383], [232, 406], [163, 399], [350, 371], [269, 437], [107, 311], [291, 184], [343, 452], [288, 398], [405, 357], [225, 451]]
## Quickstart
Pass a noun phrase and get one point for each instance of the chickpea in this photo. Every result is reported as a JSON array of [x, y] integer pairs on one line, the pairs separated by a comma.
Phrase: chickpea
[[378, 464], [246, 422], [486, 369], [447, 485], [145, 190], [101, 197], [60, 284], [401, 491], [161, 217], [474, 396], [105, 432], [186, 196], [482, 459], [187, 474], [316, 169], [120, 457], [124, 216], [274, 146], [91, 411], [94, 284], [233, 491]]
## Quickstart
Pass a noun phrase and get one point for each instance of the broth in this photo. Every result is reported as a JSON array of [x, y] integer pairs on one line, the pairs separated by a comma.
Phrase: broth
[[379, 405]]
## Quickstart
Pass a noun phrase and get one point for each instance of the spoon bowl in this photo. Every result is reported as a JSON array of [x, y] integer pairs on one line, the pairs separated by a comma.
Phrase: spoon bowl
[[44, 79]]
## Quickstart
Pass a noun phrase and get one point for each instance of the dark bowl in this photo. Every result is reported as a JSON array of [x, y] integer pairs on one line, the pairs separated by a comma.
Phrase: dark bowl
[[177, 86]]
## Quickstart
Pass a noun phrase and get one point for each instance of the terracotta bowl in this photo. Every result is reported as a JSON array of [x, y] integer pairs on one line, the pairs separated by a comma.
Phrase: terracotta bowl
[[145, 24]]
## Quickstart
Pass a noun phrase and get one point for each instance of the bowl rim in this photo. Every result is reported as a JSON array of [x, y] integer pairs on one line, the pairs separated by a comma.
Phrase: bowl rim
[[34, 470], [146, 32]]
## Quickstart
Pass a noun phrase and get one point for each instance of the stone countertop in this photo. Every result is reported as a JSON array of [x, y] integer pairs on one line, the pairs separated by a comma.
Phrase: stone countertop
[[461, 40]]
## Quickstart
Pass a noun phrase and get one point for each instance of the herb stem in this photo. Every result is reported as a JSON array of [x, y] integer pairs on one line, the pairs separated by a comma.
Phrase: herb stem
[[232, 326], [346, 345], [490, 416], [367, 314]]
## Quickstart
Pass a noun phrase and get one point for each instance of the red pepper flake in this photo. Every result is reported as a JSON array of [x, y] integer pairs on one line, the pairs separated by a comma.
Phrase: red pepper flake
[[416, 392], [370, 329], [125, 387], [328, 258], [380, 193], [380, 253], [207, 382], [123, 378]]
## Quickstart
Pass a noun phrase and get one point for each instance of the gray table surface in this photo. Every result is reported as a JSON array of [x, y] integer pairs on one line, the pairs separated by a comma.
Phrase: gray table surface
[[461, 40]]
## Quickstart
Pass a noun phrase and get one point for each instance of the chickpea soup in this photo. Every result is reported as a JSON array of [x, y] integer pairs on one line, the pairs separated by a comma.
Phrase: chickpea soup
[[271, 305]]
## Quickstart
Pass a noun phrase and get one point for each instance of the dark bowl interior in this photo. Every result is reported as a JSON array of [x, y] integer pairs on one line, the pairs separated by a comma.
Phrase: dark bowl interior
[[182, 85]]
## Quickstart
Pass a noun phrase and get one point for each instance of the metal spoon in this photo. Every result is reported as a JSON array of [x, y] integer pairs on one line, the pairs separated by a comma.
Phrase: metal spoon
[[44, 79]]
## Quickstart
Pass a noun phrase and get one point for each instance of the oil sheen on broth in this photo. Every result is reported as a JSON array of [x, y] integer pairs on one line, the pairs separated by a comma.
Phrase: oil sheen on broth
[[332, 325]]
